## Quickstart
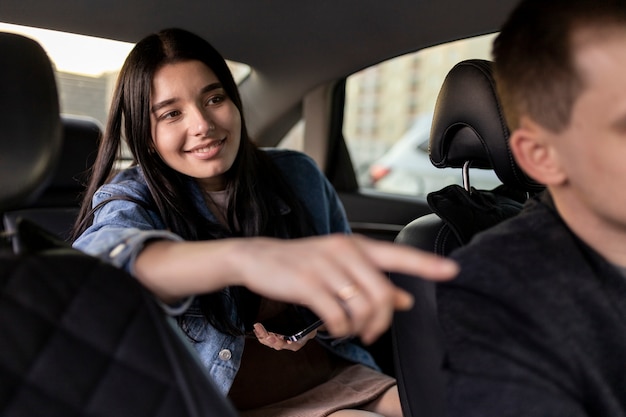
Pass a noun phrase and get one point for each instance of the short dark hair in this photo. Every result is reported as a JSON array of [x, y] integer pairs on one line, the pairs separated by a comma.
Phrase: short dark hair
[[534, 66]]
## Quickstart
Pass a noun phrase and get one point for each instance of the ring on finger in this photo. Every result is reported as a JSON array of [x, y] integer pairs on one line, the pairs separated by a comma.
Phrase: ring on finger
[[347, 292]]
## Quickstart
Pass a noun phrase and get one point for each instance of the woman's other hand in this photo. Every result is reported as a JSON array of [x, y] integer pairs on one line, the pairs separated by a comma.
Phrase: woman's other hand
[[277, 342]]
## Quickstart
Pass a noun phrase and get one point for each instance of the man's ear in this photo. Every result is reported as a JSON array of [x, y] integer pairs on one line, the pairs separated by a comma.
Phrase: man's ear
[[535, 154]]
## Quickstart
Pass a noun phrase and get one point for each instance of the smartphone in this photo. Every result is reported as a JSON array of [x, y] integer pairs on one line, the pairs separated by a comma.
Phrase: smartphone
[[299, 335], [293, 323]]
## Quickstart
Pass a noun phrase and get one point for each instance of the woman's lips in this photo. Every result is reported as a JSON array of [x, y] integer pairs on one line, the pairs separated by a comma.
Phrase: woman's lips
[[207, 151]]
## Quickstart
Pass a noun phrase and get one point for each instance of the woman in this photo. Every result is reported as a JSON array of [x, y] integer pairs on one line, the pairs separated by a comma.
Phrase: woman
[[176, 220]]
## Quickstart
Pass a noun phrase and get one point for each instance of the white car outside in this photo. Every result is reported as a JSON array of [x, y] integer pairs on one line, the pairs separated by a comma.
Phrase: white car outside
[[406, 167]]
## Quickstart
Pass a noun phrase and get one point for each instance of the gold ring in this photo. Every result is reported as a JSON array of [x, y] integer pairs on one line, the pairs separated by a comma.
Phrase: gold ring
[[347, 292]]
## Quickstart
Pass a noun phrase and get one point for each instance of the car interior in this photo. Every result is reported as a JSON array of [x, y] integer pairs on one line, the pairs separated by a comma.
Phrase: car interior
[[300, 58]]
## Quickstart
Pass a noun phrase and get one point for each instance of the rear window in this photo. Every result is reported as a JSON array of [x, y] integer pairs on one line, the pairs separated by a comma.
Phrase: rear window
[[86, 68]]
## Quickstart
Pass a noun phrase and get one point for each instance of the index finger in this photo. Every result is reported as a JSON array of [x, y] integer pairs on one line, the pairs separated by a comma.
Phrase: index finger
[[395, 257]]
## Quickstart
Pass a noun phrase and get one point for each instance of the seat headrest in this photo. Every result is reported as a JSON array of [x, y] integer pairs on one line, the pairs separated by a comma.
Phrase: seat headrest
[[81, 137], [468, 125], [30, 127]]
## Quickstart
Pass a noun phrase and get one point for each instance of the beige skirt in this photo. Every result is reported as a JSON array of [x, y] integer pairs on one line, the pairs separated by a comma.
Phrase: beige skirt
[[351, 387]]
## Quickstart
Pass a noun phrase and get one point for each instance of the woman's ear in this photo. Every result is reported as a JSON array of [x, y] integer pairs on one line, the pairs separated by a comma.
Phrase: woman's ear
[[534, 152]]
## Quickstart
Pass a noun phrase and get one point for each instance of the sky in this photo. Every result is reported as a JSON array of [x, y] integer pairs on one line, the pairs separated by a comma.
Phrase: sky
[[76, 53]]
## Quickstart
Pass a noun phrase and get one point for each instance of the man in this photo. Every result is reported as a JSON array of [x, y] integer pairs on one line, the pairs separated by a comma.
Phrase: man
[[535, 324]]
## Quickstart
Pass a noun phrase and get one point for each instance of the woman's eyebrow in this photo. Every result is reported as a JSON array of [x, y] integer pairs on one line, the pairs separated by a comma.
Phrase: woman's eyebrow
[[208, 88], [157, 106], [211, 87]]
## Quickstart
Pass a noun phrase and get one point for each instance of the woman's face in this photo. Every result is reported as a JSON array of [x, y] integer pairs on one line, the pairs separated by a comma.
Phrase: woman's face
[[196, 128]]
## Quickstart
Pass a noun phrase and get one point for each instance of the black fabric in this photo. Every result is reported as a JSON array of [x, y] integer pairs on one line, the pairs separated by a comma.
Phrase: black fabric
[[467, 213], [79, 337], [540, 329]]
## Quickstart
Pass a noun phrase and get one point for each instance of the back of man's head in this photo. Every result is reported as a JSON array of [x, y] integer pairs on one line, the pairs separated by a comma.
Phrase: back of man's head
[[534, 67]]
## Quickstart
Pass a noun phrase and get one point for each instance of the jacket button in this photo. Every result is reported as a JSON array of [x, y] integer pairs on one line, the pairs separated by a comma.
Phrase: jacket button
[[225, 355], [117, 250]]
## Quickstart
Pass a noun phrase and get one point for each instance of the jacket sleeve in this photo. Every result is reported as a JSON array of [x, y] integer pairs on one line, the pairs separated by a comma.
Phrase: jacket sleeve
[[120, 230]]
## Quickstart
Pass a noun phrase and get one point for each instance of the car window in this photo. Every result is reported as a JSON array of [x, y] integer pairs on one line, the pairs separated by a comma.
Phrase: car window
[[387, 117], [86, 68]]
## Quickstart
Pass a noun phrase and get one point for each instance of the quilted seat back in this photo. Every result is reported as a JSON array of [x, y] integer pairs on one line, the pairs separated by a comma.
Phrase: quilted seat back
[[79, 337]]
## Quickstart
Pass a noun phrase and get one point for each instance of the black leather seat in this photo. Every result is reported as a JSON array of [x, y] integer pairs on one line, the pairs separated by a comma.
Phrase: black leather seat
[[468, 129], [56, 208], [77, 336]]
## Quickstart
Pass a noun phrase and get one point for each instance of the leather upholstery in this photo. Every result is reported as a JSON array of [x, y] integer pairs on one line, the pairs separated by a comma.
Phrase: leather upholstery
[[30, 128], [56, 208], [470, 126], [81, 137]]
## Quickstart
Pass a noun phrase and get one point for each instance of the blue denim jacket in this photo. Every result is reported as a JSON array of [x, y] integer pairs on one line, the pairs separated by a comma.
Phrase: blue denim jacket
[[121, 227]]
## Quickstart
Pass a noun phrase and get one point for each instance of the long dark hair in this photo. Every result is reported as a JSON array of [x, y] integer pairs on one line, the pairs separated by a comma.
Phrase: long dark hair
[[253, 182]]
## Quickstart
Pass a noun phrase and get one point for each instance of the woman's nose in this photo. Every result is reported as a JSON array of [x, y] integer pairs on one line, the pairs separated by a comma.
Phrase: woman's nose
[[201, 123]]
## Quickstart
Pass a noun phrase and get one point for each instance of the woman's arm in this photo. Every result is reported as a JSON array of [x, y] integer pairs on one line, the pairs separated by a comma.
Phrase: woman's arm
[[339, 277]]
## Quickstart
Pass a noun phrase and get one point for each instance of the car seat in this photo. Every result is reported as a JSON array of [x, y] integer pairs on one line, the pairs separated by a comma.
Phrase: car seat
[[468, 129], [77, 336], [56, 207]]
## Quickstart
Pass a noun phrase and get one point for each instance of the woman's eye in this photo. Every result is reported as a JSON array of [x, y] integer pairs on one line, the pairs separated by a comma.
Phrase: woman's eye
[[170, 114], [217, 99]]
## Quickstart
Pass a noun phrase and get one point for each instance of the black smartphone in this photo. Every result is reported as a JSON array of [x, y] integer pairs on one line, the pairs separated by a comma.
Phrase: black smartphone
[[294, 323], [299, 335]]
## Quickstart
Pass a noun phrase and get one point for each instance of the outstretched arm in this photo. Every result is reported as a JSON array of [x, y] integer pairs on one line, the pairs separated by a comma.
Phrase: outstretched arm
[[341, 278]]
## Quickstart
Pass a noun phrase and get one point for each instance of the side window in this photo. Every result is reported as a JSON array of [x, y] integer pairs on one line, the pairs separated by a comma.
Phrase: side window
[[387, 119]]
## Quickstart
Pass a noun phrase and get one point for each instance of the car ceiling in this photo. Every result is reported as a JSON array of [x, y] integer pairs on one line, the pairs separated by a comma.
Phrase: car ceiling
[[291, 45]]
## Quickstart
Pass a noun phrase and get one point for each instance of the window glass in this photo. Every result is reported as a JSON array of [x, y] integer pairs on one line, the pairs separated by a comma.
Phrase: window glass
[[387, 120], [86, 68]]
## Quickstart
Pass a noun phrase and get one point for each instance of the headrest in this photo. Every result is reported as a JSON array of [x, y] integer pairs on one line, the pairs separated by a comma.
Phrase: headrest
[[468, 125], [30, 127], [81, 136]]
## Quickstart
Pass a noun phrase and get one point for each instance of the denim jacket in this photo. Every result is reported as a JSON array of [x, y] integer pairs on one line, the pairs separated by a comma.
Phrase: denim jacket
[[121, 227]]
